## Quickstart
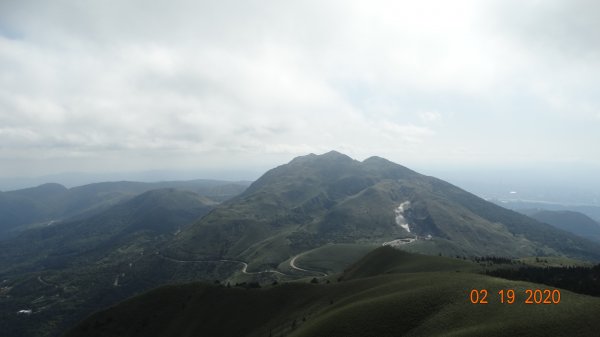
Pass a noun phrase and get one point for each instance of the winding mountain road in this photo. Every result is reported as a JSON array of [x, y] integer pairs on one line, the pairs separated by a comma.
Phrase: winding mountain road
[[46, 283], [294, 266], [245, 265]]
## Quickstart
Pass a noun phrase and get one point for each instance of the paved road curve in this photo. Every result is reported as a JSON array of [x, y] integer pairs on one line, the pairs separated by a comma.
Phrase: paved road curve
[[294, 266], [245, 265]]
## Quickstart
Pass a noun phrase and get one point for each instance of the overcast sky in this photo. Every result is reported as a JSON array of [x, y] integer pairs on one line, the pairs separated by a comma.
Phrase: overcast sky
[[112, 85]]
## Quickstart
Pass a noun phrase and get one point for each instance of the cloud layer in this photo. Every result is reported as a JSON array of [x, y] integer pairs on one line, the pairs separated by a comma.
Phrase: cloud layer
[[98, 85]]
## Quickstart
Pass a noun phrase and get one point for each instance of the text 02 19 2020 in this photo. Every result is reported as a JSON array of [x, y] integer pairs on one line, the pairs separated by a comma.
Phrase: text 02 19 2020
[[508, 296]]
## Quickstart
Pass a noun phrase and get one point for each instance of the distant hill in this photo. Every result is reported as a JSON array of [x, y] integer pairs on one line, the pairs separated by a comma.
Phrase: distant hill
[[40, 205], [153, 213], [387, 293], [520, 205], [574, 222]]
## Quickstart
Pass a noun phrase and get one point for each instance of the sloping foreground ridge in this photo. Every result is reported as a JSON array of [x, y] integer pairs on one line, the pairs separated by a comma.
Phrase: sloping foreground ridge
[[381, 295]]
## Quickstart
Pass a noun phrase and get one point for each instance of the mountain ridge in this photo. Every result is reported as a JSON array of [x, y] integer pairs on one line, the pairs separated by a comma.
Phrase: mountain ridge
[[25, 208], [571, 221]]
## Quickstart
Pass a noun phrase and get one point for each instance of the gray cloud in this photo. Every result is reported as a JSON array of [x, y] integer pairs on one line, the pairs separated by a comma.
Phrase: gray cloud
[[565, 27], [191, 84]]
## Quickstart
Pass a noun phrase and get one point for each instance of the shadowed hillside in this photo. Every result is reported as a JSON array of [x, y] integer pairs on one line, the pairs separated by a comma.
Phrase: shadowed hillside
[[68, 269]]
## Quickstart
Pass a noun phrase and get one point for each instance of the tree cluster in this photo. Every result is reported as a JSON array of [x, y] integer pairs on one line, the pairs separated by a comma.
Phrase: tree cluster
[[583, 280]]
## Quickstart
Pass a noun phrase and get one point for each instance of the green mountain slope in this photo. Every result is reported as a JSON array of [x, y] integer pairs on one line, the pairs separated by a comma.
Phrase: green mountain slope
[[319, 199], [413, 298], [386, 260], [152, 213]]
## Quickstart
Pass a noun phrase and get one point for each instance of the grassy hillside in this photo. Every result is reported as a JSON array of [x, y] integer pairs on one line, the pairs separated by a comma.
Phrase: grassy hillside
[[404, 294], [332, 258], [390, 261]]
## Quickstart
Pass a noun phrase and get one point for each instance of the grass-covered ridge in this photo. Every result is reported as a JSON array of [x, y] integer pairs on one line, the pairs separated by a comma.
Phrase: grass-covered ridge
[[387, 293]]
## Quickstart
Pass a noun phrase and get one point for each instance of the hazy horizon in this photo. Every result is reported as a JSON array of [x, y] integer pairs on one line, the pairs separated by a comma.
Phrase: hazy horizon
[[551, 184]]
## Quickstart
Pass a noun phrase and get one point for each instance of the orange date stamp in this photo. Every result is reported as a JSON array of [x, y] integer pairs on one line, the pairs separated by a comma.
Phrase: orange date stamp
[[508, 296]]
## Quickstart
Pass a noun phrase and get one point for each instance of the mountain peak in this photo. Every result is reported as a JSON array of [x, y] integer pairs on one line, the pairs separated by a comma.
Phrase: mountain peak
[[49, 190], [388, 168], [50, 187], [375, 159], [328, 156], [334, 154], [169, 198]]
